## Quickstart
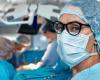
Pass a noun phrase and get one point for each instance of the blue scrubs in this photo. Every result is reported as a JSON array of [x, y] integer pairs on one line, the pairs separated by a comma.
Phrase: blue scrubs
[[50, 56], [50, 59], [92, 73], [7, 71]]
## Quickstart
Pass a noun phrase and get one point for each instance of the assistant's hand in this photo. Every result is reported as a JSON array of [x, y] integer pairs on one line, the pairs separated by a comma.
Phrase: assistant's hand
[[31, 66], [27, 67]]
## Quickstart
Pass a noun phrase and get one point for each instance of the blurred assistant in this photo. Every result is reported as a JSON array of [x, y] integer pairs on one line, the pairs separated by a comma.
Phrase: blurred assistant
[[49, 63], [21, 43], [46, 60]]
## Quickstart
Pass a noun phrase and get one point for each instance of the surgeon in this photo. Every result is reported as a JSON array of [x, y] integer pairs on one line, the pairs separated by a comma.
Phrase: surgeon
[[6, 51], [78, 41]]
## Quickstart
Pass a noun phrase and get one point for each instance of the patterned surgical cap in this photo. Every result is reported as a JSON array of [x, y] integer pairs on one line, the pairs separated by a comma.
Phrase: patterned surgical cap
[[6, 47], [91, 9]]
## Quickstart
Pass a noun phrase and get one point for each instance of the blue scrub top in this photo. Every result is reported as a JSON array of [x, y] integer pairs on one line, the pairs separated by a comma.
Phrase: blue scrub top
[[50, 56], [7, 71]]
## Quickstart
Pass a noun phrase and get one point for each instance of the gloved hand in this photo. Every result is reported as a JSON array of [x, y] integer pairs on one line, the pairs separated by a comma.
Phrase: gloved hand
[[30, 66]]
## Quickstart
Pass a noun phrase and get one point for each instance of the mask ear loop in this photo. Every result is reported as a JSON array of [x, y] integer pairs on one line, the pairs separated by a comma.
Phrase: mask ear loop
[[97, 46], [97, 49]]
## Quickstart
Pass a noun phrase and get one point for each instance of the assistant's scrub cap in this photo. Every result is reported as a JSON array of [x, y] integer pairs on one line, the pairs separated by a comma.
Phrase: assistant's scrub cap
[[24, 40]]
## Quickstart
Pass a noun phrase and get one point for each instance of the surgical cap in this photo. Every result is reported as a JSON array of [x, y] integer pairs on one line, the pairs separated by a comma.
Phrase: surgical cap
[[6, 47], [91, 14], [69, 9], [23, 39]]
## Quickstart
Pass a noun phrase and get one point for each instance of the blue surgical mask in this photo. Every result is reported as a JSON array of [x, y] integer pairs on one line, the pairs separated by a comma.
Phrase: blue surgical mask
[[72, 49], [20, 52]]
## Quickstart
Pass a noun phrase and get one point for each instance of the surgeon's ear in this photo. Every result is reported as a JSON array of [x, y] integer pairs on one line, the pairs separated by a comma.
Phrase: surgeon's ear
[[91, 44]]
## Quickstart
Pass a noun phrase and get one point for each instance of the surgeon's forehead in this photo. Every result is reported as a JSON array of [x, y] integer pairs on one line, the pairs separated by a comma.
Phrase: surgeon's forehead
[[66, 18]]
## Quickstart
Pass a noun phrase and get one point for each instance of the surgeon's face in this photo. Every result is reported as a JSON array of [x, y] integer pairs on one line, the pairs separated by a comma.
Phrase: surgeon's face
[[76, 26]]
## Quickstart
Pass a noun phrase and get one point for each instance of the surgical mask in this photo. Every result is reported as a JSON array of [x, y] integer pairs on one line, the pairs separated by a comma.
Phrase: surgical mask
[[20, 52], [72, 49]]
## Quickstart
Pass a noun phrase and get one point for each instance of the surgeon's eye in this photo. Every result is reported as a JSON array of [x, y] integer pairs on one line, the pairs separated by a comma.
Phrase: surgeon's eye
[[73, 28]]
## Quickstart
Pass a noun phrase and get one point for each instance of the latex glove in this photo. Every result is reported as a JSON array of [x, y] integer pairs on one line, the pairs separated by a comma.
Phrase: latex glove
[[27, 67]]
